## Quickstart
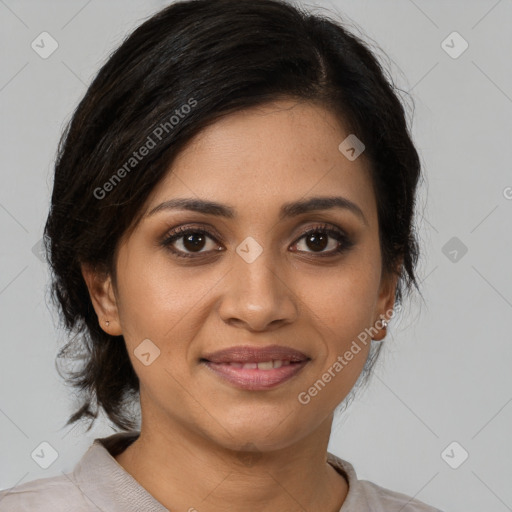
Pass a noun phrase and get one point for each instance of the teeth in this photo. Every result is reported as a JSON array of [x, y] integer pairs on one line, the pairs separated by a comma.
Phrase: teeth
[[266, 365]]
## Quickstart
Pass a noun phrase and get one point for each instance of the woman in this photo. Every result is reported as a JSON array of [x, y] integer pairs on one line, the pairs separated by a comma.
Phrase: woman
[[231, 229]]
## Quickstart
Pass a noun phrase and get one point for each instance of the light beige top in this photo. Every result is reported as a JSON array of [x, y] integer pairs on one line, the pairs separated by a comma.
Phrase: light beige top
[[99, 483]]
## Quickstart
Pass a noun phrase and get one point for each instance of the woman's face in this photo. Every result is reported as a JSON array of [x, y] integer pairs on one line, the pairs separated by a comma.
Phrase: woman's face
[[252, 278]]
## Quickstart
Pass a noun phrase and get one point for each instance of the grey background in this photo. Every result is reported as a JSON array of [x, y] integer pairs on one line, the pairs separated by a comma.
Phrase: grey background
[[445, 372]]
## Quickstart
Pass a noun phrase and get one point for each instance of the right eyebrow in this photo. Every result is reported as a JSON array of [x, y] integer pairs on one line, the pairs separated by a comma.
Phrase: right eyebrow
[[288, 210]]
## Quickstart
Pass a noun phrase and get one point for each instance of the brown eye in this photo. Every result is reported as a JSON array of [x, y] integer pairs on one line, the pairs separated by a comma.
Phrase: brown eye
[[184, 242], [194, 242], [317, 241]]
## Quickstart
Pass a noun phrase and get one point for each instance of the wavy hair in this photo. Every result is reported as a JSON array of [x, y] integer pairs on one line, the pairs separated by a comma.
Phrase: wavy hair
[[225, 55]]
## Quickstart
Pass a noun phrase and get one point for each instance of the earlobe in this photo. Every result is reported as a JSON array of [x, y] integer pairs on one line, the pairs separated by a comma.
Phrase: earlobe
[[101, 292]]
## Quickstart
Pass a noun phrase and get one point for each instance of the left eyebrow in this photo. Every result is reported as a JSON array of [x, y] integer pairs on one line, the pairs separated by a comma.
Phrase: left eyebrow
[[320, 203], [288, 210]]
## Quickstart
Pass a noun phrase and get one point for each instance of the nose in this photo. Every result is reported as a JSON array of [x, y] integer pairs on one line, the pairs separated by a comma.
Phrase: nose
[[258, 296]]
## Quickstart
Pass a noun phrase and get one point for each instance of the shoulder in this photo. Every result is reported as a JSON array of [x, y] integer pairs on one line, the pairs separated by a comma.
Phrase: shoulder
[[52, 494], [96, 483], [385, 500], [366, 495]]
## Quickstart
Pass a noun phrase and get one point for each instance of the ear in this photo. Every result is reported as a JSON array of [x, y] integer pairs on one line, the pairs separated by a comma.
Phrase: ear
[[101, 291], [386, 300]]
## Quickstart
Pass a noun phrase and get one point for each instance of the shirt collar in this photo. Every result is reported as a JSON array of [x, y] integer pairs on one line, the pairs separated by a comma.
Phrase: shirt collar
[[356, 497], [106, 484]]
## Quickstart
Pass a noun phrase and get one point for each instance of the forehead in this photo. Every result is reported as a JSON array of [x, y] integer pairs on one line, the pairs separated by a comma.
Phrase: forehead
[[259, 158]]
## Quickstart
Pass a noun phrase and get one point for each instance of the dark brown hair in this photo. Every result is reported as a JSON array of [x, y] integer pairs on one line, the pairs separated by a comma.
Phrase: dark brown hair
[[177, 73]]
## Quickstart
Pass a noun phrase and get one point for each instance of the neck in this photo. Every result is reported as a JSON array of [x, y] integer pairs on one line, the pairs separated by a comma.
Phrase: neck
[[185, 471]]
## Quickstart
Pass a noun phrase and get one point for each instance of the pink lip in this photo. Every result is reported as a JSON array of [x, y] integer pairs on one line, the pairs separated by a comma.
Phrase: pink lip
[[250, 354], [255, 379]]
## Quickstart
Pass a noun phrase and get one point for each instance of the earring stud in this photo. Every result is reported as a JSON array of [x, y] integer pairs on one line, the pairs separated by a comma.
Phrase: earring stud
[[107, 322]]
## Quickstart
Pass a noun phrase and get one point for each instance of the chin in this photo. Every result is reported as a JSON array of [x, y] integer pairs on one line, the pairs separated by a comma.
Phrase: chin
[[260, 434]]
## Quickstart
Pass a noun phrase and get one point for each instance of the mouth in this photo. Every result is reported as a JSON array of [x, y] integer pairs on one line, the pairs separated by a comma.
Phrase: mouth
[[256, 368]]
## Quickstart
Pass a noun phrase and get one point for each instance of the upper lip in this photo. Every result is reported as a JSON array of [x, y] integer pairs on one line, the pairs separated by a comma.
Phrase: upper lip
[[251, 354]]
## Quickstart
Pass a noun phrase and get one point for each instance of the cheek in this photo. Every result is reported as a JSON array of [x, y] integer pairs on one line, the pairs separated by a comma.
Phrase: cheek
[[344, 300], [159, 302]]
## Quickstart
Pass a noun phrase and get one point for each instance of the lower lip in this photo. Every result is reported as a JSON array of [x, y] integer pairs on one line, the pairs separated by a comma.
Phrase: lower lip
[[254, 379]]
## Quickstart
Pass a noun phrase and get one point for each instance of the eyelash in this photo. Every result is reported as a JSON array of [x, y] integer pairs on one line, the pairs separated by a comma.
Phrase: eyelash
[[345, 242]]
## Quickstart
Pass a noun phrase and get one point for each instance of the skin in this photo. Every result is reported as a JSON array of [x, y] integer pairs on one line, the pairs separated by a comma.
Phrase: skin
[[194, 424]]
